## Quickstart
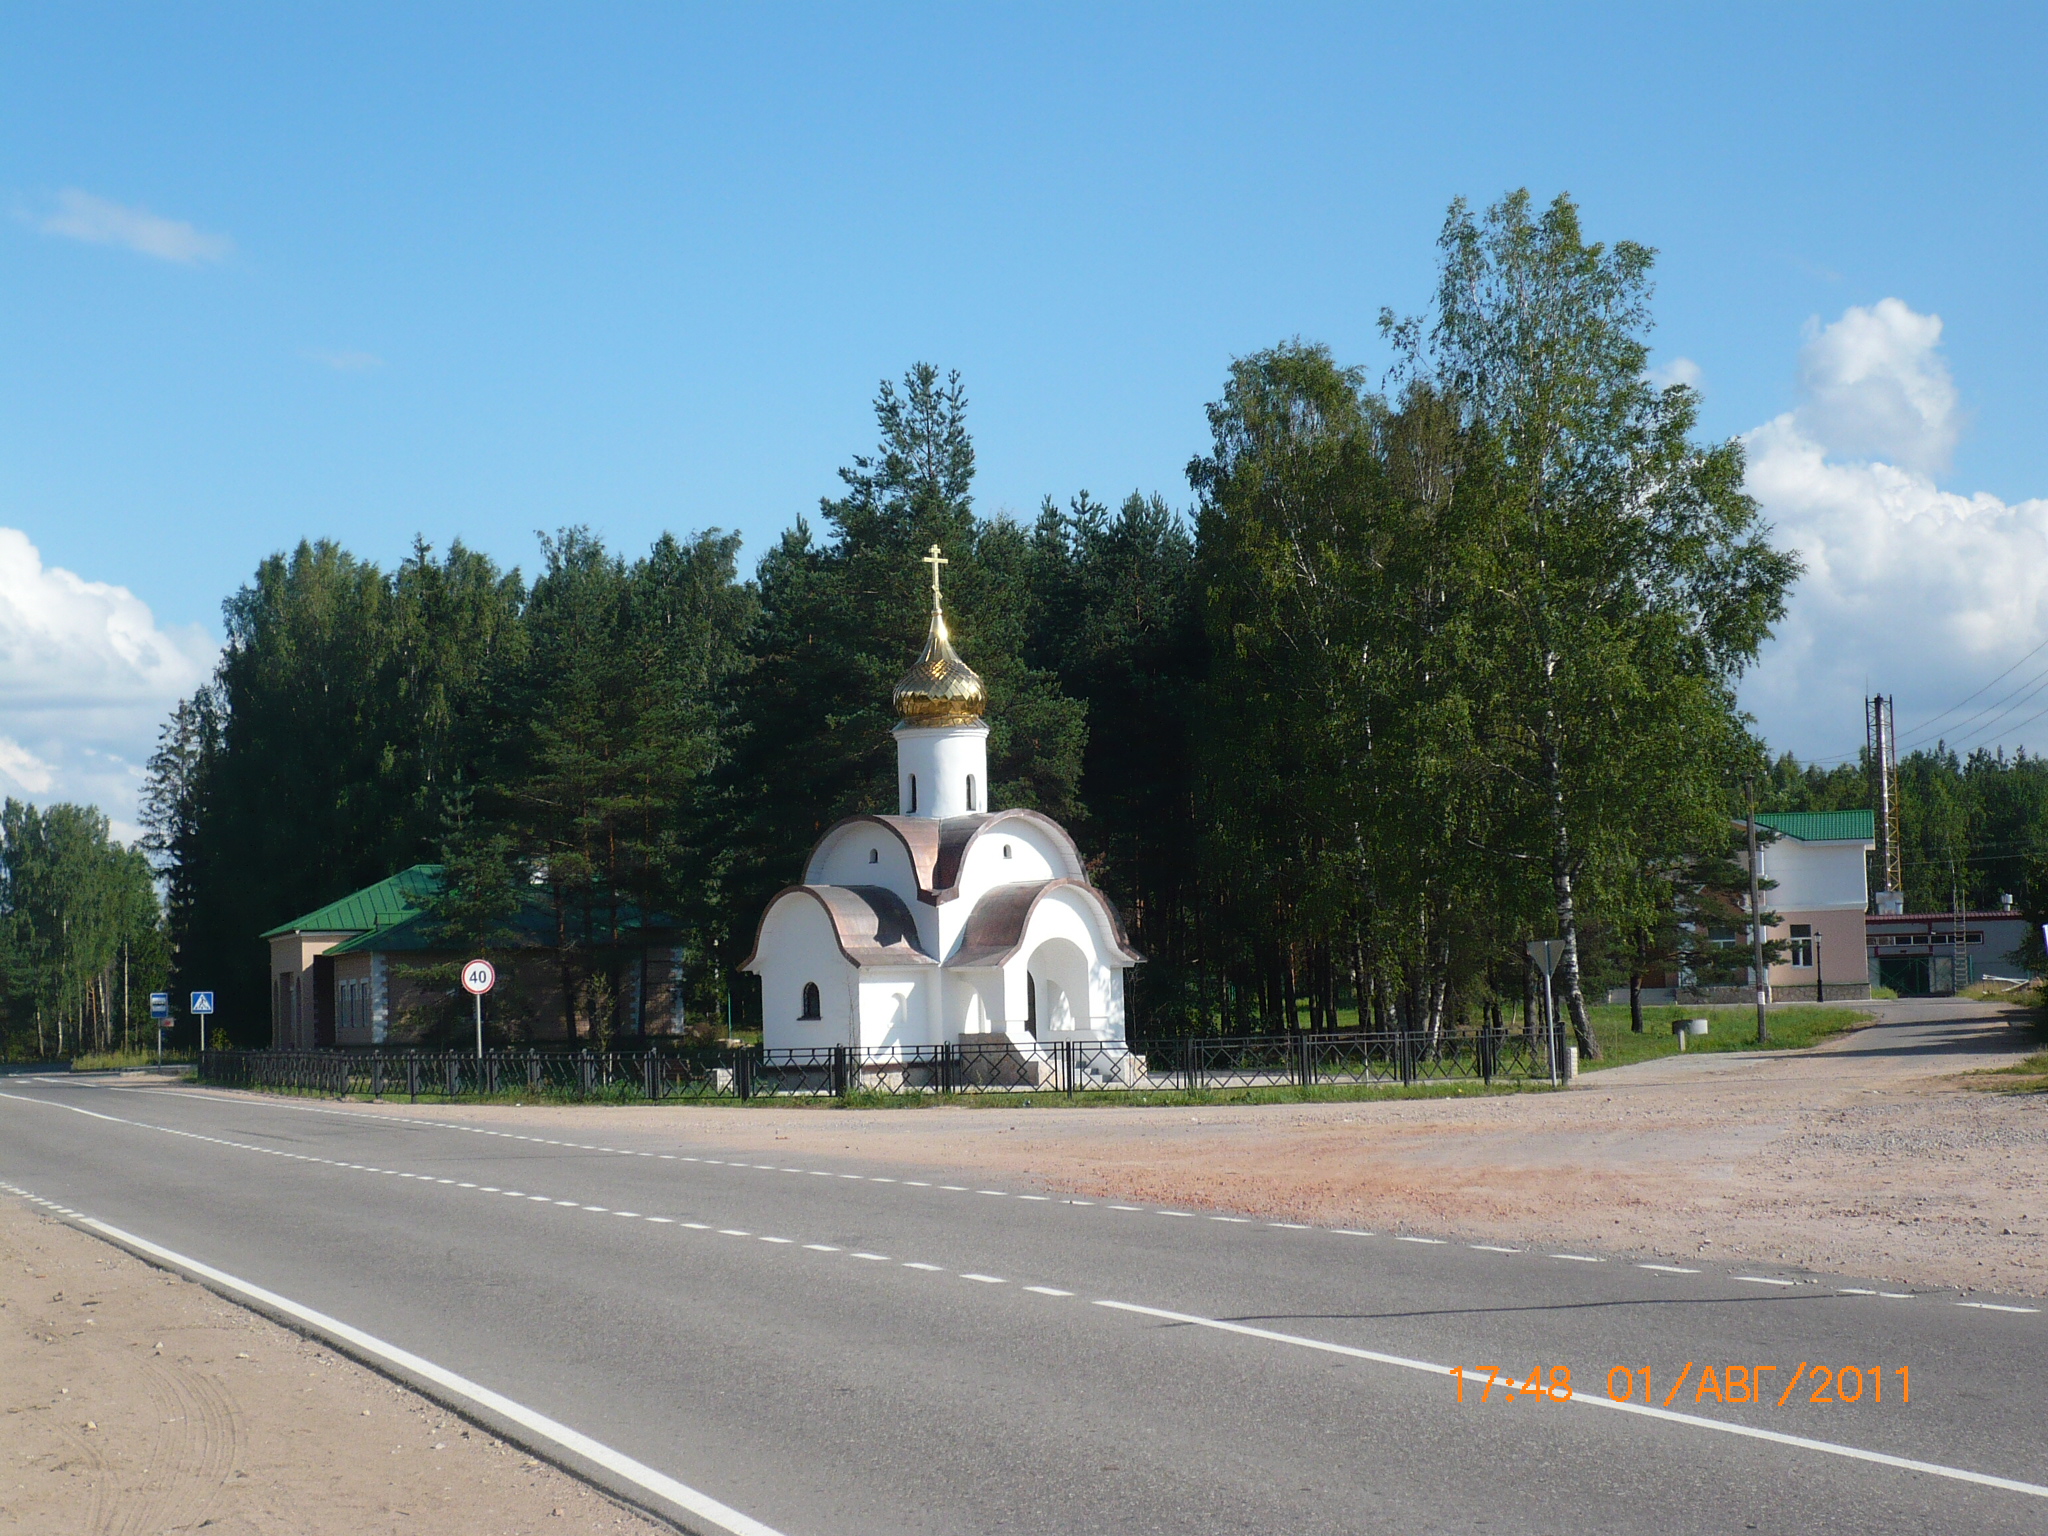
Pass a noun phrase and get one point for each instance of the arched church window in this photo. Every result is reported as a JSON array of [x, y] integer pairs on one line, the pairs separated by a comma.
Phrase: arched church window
[[874, 855], [913, 794], [1030, 1005], [811, 1008], [970, 793], [1006, 850]]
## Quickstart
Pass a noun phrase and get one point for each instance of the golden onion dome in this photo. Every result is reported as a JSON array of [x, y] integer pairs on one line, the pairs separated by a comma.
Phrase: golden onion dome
[[939, 688]]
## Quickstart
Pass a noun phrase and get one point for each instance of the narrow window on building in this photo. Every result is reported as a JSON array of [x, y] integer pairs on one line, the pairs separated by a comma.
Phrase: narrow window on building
[[874, 855], [1030, 1006], [811, 1010], [1006, 850], [1802, 946], [913, 794], [970, 793]]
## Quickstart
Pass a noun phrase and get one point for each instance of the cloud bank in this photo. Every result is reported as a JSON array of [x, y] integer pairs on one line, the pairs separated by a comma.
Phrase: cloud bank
[[86, 678], [82, 216], [1910, 589]]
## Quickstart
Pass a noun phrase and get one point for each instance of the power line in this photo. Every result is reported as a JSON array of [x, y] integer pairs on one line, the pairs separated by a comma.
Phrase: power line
[[2011, 728], [2037, 650], [2029, 688]]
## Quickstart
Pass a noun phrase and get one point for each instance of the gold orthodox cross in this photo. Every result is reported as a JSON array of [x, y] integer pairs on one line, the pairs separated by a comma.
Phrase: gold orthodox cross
[[935, 560]]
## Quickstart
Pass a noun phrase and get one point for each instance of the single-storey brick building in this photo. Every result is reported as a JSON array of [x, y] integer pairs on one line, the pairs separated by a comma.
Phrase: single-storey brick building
[[373, 968]]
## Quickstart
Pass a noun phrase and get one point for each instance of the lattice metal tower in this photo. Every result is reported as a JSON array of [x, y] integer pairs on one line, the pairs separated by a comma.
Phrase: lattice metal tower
[[1881, 757]]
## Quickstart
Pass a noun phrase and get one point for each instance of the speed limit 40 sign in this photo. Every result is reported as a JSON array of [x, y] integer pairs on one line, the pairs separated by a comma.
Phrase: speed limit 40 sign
[[478, 977]]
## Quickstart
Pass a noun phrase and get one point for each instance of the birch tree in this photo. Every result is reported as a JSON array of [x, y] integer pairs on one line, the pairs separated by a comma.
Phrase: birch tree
[[1630, 580]]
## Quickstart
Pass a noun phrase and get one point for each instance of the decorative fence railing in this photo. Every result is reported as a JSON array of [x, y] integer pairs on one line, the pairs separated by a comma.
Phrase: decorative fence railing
[[842, 1071]]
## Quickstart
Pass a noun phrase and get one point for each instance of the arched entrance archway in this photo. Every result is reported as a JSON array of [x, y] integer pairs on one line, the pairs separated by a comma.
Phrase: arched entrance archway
[[1056, 983]]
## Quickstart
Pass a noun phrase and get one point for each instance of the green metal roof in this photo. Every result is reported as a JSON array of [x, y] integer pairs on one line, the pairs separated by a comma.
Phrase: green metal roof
[[414, 933], [531, 927], [382, 905], [1821, 826]]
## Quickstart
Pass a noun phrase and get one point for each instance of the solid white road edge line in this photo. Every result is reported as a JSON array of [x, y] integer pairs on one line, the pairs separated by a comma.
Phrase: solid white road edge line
[[620, 1465], [1697, 1421]]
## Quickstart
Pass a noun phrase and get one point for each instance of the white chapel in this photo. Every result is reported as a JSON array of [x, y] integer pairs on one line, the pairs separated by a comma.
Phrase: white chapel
[[947, 923]]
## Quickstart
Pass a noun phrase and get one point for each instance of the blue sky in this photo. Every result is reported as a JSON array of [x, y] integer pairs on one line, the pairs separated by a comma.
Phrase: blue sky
[[367, 272]]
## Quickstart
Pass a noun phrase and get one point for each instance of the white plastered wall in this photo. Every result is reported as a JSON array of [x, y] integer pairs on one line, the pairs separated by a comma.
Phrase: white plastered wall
[[974, 1003], [866, 854], [1065, 942], [1814, 877], [942, 759], [895, 1008], [863, 853], [798, 945], [1008, 853]]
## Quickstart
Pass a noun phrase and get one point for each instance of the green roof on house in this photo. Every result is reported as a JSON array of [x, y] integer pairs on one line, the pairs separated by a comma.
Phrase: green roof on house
[[382, 905], [414, 932], [531, 927], [1821, 826]]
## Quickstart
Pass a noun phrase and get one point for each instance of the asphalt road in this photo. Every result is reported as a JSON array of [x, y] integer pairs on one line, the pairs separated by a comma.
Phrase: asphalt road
[[838, 1348]]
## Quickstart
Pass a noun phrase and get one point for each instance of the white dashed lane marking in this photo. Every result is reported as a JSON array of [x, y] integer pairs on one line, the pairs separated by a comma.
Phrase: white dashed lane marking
[[409, 1121]]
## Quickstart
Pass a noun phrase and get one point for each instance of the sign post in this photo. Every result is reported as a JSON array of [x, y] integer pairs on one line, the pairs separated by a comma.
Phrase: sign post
[[159, 1010], [1546, 953], [478, 977]]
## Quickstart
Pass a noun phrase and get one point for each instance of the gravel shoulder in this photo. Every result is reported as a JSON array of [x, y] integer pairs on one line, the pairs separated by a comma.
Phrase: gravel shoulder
[[137, 1402]]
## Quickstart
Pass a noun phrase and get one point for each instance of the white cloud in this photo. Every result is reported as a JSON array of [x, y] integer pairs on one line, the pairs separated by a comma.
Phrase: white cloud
[[23, 768], [1680, 370], [1909, 589], [1877, 388], [346, 362], [82, 216], [86, 678]]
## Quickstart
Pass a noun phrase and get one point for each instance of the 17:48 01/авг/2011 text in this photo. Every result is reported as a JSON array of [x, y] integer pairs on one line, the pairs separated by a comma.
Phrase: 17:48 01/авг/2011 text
[[1730, 1384]]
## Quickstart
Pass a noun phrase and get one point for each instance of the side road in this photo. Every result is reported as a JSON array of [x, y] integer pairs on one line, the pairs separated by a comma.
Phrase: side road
[[135, 1401], [1876, 1154]]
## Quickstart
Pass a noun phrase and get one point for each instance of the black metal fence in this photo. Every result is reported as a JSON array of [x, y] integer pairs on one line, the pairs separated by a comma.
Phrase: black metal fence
[[844, 1071]]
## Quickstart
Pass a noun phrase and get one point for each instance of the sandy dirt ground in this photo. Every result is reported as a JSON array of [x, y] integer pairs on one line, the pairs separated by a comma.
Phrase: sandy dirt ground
[[137, 1403], [1847, 1160]]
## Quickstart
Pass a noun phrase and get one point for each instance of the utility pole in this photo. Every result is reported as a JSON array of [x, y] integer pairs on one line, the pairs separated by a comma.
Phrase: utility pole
[[1882, 761], [1958, 946], [1756, 928]]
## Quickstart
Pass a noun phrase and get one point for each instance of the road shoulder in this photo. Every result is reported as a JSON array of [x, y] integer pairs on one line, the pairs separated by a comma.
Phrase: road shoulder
[[137, 1400]]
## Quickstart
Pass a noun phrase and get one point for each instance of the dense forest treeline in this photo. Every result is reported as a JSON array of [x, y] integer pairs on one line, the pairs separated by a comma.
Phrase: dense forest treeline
[[82, 939], [1431, 667]]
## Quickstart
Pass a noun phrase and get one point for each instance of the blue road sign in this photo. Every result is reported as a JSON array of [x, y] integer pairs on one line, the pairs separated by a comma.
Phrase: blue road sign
[[202, 1002], [159, 1005]]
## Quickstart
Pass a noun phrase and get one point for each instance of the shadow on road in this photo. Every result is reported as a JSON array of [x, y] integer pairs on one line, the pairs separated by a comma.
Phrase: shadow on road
[[1976, 1035]]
